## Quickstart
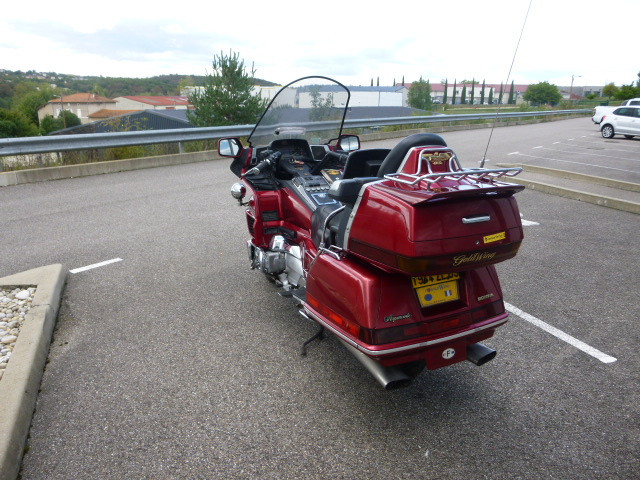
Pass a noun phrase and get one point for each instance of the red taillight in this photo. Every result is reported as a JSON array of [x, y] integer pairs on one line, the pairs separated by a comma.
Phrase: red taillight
[[436, 264], [346, 325], [393, 334], [416, 330], [487, 311]]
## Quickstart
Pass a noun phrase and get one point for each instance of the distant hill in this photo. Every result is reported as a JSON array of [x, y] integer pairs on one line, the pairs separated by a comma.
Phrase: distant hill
[[107, 86]]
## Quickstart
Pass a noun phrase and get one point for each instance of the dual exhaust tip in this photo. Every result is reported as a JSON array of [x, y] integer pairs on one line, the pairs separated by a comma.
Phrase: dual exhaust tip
[[392, 378]]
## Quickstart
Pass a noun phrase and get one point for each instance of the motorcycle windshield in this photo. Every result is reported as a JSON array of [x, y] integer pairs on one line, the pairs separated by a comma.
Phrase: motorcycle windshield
[[310, 108]]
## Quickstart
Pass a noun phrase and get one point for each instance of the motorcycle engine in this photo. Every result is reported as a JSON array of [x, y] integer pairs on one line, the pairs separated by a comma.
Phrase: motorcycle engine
[[282, 262]]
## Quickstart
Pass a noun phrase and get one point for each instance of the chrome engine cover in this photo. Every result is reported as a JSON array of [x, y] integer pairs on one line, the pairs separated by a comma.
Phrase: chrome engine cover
[[282, 261]]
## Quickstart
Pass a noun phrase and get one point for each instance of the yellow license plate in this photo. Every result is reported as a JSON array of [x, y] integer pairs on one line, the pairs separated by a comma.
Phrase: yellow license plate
[[436, 289]]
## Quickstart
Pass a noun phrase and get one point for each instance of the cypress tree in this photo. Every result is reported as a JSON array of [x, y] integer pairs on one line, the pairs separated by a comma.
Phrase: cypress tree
[[500, 97], [512, 100], [446, 87], [482, 94], [453, 99], [473, 90], [463, 97]]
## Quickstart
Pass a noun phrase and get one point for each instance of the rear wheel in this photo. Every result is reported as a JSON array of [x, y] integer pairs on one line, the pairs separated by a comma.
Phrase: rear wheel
[[607, 131]]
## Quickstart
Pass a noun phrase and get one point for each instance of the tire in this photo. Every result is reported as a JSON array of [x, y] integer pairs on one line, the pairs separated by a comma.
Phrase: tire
[[607, 131]]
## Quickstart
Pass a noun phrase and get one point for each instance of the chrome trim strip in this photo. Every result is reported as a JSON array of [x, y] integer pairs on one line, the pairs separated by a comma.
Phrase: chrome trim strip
[[501, 319], [406, 158], [484, 218], [328, 219]]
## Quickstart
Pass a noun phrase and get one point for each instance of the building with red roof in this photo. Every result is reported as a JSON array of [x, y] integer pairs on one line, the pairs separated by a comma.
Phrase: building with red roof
[[81, 104]]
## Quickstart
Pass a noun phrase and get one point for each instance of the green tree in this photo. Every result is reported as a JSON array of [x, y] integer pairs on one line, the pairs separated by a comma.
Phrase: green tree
[[453, 98], [30, 102], [15, 124], [610, 90], [627, 91], [490, 95], [420, 95], [473, 91], [446, 87], [66, 120], [512, 99], [227, 98], [322, 108], [542, 93], [500, 96], [463, 97], [482, 94], [99, 90]]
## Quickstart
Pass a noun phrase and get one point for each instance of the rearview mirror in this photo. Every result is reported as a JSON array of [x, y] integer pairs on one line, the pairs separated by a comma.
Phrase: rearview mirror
[[348, 143], [229, 147]]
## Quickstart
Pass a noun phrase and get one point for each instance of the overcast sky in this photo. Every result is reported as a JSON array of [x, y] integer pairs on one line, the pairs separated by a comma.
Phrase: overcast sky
[[352, 41]]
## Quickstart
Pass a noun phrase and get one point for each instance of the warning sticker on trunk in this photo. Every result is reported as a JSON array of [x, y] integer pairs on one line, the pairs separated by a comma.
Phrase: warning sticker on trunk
[[495, 237]]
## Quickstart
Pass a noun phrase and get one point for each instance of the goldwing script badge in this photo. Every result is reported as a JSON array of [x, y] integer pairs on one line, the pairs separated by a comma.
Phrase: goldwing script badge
[[473, 258], [438, 158]]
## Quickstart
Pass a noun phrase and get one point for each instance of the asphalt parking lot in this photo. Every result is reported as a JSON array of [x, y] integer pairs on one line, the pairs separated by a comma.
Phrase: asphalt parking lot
[[177, 361]]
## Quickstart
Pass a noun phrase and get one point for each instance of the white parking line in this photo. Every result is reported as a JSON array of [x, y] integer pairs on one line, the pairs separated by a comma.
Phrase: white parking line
[[579, 163], [603, 357], [592, 154], [529, 223], [95, 265]]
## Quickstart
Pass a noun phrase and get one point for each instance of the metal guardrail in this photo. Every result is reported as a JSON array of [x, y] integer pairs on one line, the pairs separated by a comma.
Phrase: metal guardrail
[[61, 143]]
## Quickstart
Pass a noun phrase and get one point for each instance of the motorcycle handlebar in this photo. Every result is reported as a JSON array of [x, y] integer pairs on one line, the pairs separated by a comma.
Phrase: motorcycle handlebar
[[267, 162]]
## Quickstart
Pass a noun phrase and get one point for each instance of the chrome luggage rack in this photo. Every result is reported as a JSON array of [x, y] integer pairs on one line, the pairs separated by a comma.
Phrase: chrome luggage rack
[[457, 173]]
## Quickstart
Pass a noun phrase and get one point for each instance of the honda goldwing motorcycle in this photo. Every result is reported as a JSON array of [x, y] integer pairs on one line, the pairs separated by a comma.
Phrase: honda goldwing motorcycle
[[391, 250]]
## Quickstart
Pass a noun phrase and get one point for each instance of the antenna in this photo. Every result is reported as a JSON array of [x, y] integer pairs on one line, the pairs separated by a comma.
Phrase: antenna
[[484, 157]]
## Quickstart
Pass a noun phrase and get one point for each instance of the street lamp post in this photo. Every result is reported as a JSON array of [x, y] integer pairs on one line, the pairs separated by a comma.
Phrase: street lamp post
[[571, 88], [64, 120]]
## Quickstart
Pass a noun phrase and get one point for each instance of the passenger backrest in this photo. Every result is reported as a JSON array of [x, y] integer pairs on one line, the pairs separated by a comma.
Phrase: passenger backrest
[[364, 163], [395, 157]]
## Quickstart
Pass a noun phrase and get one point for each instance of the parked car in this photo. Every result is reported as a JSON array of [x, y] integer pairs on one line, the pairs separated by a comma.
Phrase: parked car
[[623, 121], [601, 111]]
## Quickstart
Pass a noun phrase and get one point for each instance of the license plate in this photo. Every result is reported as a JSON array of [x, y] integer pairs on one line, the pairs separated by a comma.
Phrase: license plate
[[436, 289]]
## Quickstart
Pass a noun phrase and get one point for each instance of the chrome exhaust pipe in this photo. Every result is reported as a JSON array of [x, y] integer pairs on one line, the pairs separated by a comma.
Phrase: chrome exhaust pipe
[[480, 354], [389, 377]]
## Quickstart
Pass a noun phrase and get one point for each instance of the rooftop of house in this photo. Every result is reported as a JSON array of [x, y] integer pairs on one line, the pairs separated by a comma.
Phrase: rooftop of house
[[163, 100], [108, 113], [83, 98]]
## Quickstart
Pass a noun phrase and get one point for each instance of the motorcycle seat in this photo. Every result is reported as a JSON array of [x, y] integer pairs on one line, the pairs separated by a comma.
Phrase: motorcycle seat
[[347, 190], [364, 163]]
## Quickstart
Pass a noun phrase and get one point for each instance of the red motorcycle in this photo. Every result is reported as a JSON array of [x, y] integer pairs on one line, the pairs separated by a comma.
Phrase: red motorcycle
[[391, 250]]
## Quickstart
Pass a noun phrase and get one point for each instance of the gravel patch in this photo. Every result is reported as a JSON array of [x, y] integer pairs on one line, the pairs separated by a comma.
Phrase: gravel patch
[[14, 305]]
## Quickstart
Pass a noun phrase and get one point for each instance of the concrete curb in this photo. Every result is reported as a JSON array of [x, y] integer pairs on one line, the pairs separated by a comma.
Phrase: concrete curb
[[21, 380], [616, 203], [33, 175]]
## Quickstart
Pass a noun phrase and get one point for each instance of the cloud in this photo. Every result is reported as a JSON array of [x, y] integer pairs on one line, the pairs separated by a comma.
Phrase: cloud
[[353, 41]]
